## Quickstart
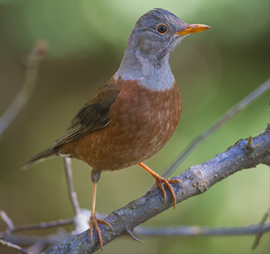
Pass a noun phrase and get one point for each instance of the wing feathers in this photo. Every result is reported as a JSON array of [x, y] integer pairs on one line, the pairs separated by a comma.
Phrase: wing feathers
[[93, 115]]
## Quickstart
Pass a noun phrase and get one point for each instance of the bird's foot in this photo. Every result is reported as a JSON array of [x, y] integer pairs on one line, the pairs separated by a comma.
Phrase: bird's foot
[[94, 224], [161, 181]]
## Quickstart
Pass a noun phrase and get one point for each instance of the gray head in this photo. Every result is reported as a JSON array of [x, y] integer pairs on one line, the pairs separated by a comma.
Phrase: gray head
[[155, 33], [151, 42]]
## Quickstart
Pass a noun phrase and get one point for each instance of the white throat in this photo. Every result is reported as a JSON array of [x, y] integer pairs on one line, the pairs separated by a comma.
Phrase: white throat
[[146, 71]]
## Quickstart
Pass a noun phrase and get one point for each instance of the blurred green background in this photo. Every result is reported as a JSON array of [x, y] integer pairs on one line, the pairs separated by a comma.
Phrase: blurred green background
[[214, 69]]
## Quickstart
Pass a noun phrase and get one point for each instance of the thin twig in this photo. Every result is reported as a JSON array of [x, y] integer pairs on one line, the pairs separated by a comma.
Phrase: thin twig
[[72, 193], [42, 225], [29, 82], [7, 220], [15, 247], [28, 240], [225, 118], [261, 225], [206, 231]]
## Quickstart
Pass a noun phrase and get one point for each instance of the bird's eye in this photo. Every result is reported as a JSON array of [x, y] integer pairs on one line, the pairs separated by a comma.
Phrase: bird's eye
[[162, 29]]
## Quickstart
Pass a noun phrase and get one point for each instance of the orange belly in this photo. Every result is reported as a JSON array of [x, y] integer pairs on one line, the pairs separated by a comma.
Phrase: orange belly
[[142, 122]]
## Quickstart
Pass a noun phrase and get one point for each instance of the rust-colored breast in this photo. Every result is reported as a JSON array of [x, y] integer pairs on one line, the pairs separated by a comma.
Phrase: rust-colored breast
[[142, 122]]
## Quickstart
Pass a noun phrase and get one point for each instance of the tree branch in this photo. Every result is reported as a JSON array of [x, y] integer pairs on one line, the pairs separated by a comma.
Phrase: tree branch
[[206, 231], [14, 247], [225, 118], [45, 241], [196, 179], [57, 238], [42, 225], [29, 81], [261, 225], [72, 193]]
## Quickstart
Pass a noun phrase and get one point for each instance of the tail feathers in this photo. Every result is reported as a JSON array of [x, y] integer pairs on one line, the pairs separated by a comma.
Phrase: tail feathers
[[41, 156]]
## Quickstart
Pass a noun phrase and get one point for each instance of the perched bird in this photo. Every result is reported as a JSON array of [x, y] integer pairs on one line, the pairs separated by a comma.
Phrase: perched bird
[[135, 113]]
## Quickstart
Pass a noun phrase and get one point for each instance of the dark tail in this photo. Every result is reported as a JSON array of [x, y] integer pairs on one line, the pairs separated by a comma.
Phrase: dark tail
[[41, 156]]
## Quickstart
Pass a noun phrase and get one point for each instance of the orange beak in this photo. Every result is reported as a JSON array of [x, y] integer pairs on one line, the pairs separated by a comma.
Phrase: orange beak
[[193, 28]]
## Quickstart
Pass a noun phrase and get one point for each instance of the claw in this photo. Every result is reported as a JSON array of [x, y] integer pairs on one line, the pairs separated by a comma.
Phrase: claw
[[94, 224], [160, 182]]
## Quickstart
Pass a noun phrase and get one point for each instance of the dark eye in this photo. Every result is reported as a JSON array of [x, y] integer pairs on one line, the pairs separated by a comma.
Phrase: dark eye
[[162, 29]]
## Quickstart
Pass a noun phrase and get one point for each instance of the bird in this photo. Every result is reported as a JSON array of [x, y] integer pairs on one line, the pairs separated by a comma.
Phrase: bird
[[135, 113]]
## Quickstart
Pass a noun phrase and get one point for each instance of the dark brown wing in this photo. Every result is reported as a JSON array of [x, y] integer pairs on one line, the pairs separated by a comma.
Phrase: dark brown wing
[[93, 115]]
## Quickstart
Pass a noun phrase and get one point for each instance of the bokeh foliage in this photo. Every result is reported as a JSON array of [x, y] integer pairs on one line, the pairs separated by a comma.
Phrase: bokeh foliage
[[214, 69]]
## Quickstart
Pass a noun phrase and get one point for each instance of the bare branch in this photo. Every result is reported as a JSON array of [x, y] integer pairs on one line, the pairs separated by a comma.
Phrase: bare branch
[[29, 82], [72, 193], [81, 220], [7, 220], [15, 247], [142, 231], [261, 225], [28, 240], [206, 231], [53, 239], [196, 180], [225, 118], [42, 225]]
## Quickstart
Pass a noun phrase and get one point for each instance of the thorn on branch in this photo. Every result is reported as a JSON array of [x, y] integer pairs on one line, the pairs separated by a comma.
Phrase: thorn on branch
[[134, 237], [128, 231], [250, 148]]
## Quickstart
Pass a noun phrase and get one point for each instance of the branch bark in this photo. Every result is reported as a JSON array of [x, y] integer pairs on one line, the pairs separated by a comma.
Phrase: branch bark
[[196, 179]]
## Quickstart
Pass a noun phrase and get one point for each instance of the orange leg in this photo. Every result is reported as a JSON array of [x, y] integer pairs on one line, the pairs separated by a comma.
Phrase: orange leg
[[93, 219], [160, 181]]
